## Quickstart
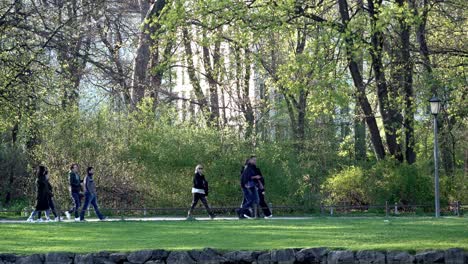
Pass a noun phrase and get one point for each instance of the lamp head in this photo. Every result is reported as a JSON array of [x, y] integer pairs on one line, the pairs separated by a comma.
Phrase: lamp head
[[435, 105]]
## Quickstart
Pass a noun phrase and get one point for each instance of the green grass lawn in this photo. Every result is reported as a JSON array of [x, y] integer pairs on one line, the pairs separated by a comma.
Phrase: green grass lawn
[[411, 234]]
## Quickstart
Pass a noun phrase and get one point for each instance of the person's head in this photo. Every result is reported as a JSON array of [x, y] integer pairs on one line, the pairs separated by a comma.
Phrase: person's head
[[74, 167], [253, 160], [199, 169], [41, 172], [90, 170]]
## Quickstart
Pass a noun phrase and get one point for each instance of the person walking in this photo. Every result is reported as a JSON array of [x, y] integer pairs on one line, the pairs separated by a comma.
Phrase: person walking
[[51, 198], [199, 192], [90, 195], [42, 195], [75, 188], [249, 190], [260, 184]]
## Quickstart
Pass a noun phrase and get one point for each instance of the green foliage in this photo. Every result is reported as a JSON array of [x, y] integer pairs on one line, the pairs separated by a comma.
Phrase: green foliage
[[13, 174], [148, 159], [384, 181]]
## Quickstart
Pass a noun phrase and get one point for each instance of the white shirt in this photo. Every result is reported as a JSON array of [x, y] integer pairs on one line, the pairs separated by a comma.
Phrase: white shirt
[[195, 190]]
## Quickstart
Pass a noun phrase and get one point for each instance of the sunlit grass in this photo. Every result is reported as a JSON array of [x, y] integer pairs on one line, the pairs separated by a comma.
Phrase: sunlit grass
[[412, 234]]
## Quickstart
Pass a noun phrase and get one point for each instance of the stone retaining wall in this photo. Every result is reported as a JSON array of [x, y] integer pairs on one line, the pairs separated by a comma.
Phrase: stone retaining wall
[[211, 256]]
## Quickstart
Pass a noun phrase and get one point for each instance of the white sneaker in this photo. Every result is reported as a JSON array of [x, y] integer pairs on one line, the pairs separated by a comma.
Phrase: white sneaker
[[57, 219], [246, 216], [77, 219], [30, 220], [39, 220], [67, 214], [47, 220], [269, 217]]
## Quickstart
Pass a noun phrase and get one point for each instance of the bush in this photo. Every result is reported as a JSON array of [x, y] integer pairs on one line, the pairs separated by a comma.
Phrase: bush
[[384, 181]]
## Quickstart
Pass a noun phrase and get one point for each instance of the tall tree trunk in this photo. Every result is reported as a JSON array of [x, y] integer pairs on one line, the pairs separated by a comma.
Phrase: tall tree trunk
[[406, 82], [447, 143], [113, 48], [140, 65], [140, 80], [423, 47], [360, 149], [73, 49], [301, 103], [359, 135], [203, 103], [247, 105], [11, 175], [391, 118], [157, 71], [359, 84], [212, 73], [242, 58]]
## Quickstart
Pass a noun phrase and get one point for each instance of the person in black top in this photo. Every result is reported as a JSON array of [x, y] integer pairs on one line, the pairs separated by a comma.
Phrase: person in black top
[[260, 184], [199, 192], [75, 188], [51, 197], [248, 176], [42, 198]]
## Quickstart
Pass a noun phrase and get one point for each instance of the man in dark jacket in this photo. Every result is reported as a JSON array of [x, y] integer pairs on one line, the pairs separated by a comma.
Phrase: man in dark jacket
[[75, 188], [248, 176], [90, 195]]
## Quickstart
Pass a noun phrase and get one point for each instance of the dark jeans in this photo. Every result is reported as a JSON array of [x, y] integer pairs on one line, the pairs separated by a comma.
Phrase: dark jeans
[[90, 199], [263, 204], [249, 199], [200, 197], [76, 204]]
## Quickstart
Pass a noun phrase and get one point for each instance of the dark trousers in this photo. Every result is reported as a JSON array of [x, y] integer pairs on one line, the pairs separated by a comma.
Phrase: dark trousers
[[76, 204], [263, 204], [90, 199], [52, 206], [249, 200], [199, 197], [38, 212]]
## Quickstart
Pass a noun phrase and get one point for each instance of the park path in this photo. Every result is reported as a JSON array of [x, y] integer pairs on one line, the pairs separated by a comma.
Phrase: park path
[[164, 218]]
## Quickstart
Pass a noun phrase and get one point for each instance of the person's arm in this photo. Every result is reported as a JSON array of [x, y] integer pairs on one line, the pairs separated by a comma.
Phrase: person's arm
[[85, 181], [49, 187], [206, 187]]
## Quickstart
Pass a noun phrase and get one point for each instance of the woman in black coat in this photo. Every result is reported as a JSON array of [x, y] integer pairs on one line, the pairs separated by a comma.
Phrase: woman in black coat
[[42, 198], [199, 192]]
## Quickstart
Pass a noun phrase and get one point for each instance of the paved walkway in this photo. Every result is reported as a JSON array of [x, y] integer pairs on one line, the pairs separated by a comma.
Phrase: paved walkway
[[167, 218]]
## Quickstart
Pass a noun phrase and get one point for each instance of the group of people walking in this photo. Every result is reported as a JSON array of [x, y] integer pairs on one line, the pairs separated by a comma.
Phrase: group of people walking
[[252, 184], [253, 189], [45, 202]]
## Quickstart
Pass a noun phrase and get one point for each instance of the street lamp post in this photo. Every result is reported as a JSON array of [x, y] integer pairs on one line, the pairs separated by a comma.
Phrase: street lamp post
[[435, 108]]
